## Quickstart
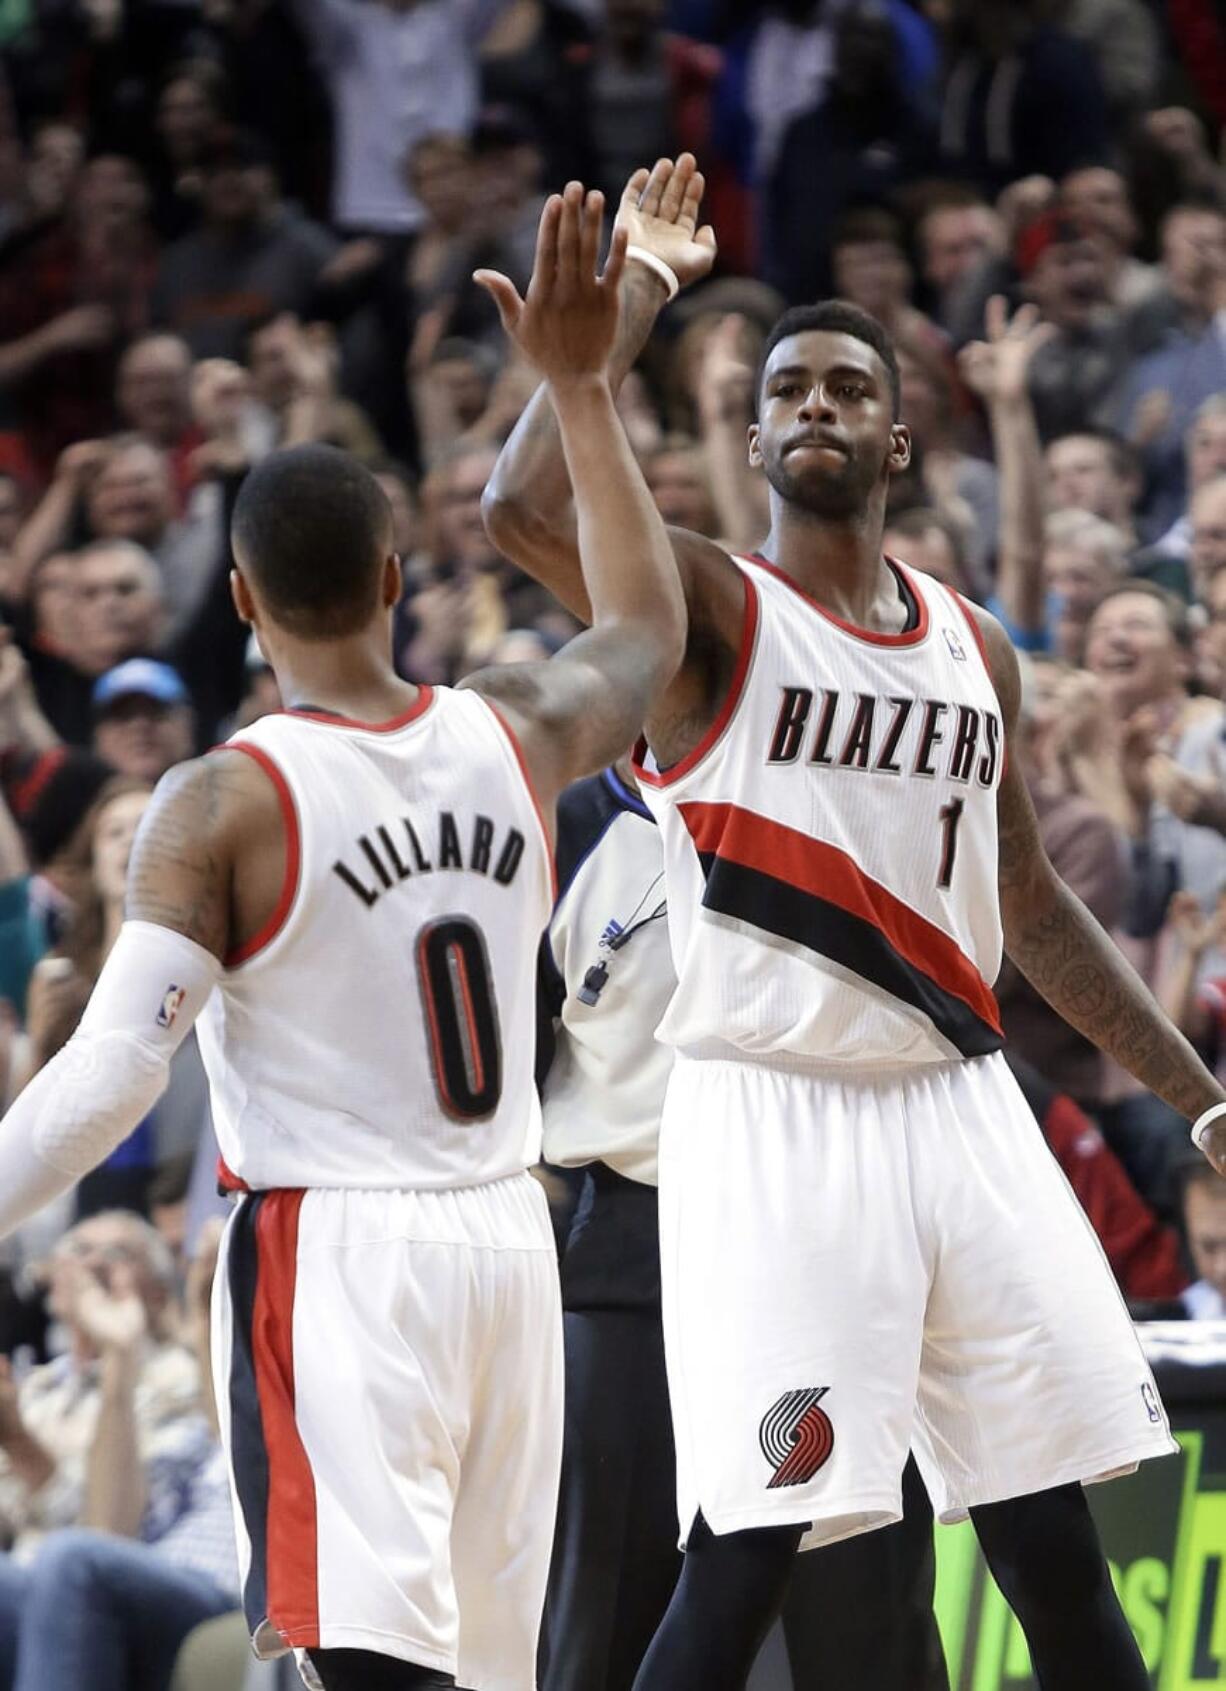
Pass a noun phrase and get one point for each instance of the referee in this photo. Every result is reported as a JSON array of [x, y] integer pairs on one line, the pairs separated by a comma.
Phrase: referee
[[859, 1615]]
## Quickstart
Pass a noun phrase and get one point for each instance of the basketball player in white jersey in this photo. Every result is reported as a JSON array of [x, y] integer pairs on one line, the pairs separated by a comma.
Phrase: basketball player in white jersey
[[348, 898], [865, 1243]]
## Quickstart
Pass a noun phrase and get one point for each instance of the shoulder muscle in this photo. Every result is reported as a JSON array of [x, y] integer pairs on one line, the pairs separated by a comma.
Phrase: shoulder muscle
[[1002, 662], [181, 871]]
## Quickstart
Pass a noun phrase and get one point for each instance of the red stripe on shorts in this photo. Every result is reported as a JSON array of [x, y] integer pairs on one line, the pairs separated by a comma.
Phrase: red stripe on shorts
[[292, 1571]]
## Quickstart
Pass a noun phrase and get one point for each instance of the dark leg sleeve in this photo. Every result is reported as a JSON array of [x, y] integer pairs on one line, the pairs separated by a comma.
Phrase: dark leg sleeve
[[1044, 1554], [730, 1591], [858, 1616]]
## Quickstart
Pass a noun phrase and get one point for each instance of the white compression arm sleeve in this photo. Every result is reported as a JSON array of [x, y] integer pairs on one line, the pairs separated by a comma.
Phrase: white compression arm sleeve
[[111, 1072]]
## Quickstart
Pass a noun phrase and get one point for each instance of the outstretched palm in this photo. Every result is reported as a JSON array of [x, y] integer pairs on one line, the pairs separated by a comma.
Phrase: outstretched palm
[[566, 322], [659, 212]]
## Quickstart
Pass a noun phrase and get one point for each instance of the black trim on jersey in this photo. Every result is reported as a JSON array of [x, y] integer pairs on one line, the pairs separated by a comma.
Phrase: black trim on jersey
[[910, 602], [248, 1451], [855, 944]]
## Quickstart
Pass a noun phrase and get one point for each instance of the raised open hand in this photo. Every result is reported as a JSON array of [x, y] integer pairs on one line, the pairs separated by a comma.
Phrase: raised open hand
[[566, 323], [996, 368], [659, 212]]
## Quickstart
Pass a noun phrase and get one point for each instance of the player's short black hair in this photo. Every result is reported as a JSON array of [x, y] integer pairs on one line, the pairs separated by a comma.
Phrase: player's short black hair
[[312, 528], [836, 317]]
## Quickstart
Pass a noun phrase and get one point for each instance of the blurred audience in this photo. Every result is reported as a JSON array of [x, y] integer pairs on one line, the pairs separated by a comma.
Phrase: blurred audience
[[254, 223]]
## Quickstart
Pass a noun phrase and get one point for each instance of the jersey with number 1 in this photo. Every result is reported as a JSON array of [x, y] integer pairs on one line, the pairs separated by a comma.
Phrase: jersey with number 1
[[831, 845], [380, 1032]]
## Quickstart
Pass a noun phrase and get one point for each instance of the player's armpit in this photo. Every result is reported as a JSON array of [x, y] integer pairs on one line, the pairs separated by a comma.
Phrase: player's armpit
[[181, 871]]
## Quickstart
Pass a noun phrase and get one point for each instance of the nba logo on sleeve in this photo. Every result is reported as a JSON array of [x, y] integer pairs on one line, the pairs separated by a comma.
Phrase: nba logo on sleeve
[[796, 1437], [957, 649], [169, 1007]]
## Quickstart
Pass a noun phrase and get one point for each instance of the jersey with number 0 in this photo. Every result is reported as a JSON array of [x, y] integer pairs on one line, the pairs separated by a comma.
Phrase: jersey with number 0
[[831, 844], [380, 1032]]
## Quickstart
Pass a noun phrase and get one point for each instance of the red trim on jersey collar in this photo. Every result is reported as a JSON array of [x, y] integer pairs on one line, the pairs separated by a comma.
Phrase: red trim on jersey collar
[[423, 701], [749, 628], [908, 637], [293, 858]]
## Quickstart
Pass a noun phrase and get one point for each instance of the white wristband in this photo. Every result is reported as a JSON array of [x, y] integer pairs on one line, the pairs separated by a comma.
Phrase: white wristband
[[665, 272], [1204, 1120]]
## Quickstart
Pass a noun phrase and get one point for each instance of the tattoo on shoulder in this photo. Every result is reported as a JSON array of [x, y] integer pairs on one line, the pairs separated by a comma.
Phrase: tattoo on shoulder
[[179, 874]]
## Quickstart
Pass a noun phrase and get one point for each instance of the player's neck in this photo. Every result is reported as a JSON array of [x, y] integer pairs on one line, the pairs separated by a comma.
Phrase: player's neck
[[835, 560], [351, 677]]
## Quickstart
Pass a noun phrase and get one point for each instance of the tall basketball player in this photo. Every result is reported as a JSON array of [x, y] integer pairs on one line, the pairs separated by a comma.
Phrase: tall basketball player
[[349, 897], [864, 1241]]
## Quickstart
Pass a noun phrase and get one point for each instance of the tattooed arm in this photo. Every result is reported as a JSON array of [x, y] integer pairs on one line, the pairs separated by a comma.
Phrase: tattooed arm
[[205, 817], [1068, 958], [185, 908]]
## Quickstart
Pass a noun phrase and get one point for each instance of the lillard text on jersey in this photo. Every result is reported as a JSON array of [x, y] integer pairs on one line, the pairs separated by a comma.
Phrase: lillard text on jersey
[[395, 851]]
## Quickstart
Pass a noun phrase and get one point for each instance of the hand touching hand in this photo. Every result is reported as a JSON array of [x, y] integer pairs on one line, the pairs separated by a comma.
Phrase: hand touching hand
[[659, 212], [566, 324]]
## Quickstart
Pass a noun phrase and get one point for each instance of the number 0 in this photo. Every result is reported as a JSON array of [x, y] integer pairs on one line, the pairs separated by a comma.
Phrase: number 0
[[457, 992], [950, 815]]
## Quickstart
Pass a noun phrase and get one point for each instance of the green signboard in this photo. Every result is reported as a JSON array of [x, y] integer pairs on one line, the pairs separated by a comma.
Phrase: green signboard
[[1164, 1532]]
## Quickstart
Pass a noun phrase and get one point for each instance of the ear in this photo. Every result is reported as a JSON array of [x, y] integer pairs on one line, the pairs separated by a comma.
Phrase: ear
[[393, 581], [240, 595], [900, 448], [755, 446]]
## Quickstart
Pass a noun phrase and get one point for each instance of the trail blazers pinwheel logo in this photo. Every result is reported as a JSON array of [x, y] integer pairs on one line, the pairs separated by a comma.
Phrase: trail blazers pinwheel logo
[[796, 1436]]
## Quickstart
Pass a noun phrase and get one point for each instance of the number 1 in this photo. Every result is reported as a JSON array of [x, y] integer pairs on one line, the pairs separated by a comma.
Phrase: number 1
[[950, 815]]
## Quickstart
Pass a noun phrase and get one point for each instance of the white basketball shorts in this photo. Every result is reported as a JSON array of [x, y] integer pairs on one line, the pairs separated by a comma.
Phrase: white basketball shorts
[[388, 1368], [850, 1269]]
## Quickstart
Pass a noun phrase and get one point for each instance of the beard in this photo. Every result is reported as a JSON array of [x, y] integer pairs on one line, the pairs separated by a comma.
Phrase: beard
[[822, 491]]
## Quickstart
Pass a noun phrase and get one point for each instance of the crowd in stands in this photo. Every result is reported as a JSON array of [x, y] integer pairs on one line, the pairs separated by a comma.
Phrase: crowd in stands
[[228, 225]]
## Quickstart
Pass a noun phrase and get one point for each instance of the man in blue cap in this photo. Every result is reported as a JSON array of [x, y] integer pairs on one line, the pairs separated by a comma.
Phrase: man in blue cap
[[143, 720]]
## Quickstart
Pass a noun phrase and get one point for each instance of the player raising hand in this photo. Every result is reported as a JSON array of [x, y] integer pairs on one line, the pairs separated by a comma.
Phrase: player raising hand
[[348, 900]]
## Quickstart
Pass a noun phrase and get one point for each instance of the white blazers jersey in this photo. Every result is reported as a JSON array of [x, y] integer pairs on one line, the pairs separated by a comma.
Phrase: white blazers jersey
[[380, 1033], [831, 845]]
